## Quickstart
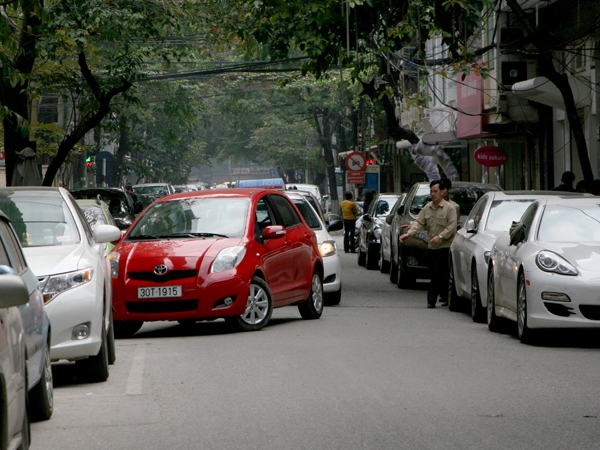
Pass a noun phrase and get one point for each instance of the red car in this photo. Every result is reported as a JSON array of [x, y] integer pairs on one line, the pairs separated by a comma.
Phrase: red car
[[230, 253]]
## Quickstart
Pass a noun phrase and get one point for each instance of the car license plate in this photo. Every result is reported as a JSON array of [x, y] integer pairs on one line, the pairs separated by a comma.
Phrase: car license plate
[[159, 292]]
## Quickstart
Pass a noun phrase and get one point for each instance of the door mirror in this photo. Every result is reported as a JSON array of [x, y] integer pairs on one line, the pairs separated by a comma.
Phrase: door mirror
[[13, 291], [367, 218], [471, 228], [273, 232], [517, 233], [335, 225], [106, 233]]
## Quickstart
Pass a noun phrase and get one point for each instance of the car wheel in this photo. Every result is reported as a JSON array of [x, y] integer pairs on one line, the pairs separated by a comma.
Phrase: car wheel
[[333, 298], [259, 307], [384, 266], [477, 311], [524, 333], [403, 281], [393, 269], [95, 368], [372, 257], [492, 319], [127, 329], [362, 257], [312, 308], [41, 397], [112, 348], [453, 298]]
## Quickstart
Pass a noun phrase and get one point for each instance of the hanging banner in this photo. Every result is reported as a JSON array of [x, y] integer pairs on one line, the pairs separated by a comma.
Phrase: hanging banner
[[490, 156]]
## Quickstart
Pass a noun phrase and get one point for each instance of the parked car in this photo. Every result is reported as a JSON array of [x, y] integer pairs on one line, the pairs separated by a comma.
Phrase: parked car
[[312, 188], [73, 277], [233, 254], [545, 272], [332, 265], [469, 257], [35, 324], [149, 192], [120, 204], [14, 423], [409, 258], [369, 232], [386, 236]]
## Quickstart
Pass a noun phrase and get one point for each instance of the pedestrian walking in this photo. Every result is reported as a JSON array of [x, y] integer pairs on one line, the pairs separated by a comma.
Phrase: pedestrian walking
[[369, 196], [566, 182], [349, 213], [438, 218], [129, 190]]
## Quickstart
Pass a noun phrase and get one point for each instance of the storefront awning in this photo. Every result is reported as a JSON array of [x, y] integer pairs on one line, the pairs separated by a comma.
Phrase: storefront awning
[[542, 90]]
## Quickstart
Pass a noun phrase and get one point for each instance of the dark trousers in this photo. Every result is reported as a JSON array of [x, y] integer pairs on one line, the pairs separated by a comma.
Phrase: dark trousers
[[438, 265], [349, 228]]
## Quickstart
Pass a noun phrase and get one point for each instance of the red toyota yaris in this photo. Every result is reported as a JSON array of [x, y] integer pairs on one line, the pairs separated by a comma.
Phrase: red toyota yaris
[[229, 253]]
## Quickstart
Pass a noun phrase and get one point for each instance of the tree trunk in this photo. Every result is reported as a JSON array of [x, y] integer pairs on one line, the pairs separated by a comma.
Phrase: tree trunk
[[325, 129], [122, 149]]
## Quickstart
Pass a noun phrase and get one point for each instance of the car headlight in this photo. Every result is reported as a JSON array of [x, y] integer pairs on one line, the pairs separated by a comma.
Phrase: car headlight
[[57, 284], [327, 248], [228, 258], [551, 262], [114, 257], [377, 233]]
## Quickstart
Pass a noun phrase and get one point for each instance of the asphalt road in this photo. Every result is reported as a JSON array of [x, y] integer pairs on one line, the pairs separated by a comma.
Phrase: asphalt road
[[380, 371]]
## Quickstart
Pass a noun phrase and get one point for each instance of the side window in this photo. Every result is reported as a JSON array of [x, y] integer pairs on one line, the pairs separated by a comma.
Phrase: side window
[[288, 214], [4, 260], [262, 217], [477, 212], [84, 223], [13, 247], [382, 207]]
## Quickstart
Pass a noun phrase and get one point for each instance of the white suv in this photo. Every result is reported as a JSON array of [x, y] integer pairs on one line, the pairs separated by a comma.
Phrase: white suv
[[73, 276]]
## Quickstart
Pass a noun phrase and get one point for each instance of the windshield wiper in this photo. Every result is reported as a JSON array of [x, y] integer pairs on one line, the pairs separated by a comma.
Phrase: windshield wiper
[[141, 236], [177, 235]]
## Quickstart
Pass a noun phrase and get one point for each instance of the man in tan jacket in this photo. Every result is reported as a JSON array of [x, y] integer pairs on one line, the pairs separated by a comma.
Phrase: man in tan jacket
[[438, 218]]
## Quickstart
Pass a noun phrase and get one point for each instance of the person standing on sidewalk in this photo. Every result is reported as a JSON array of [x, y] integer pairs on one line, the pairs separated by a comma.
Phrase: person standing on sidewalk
[[438, 218], [349, 212]]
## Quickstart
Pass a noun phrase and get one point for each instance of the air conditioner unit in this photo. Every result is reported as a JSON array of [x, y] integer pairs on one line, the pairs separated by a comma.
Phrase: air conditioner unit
[[514, 71]]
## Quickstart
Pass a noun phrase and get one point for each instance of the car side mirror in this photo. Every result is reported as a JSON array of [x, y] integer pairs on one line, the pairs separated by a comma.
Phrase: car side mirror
[[273, 232], [138, 207], [13, 291], [335, 225], [471, 228], [106, 233], [517, 233], [367, 218]]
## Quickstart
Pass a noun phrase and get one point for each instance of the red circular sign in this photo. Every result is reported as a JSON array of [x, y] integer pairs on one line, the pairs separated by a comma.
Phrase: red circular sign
[[355, 161], [490, 156]]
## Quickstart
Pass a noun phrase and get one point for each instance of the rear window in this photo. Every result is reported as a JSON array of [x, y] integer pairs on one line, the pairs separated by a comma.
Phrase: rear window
[[308, 214]]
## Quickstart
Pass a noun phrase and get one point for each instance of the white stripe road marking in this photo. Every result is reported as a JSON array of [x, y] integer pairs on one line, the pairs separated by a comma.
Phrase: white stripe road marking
[[136, 373]]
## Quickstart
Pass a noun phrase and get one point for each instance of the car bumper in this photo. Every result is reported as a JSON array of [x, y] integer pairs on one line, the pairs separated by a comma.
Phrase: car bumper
[[582, 311], [83, 304], [332, 273]]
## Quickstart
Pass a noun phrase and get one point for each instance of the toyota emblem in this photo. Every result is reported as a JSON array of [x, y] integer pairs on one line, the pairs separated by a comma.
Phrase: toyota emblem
[[161, 269]]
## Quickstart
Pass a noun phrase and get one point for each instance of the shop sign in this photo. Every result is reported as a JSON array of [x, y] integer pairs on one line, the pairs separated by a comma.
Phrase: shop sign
[[490, 156]]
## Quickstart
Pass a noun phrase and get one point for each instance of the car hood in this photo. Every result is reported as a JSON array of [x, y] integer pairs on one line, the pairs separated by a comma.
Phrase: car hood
[[585, 255], [53, 259], [173, 253]]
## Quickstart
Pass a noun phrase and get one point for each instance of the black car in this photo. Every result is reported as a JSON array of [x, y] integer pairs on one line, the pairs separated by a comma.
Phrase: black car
[[408, 260], [369, 231], [120, 204]]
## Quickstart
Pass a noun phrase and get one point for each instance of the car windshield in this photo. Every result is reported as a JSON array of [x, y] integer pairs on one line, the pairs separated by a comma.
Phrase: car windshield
[[504, 212], [464, 196], [201, 216], [40, 219], [562, 223], [151, 190], [308, 214]]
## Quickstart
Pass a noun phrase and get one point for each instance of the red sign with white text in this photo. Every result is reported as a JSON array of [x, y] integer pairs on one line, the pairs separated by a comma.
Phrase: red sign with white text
[[490, 156], [355, 177]]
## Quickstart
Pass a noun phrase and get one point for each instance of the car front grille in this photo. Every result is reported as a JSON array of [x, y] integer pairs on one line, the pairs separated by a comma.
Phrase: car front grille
[[171, 306], [590, 312], [169, 276]]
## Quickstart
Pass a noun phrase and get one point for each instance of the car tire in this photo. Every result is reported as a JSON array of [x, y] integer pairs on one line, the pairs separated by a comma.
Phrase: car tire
[[333, 298], [372, 257], [126, 329], [477, 310], [492, 319], [362, 257], [384, 266], [312, 308], [41, 397], [259, 308], [95, 368], [111, 346], [403, 281], [524, 333], [453, 298]]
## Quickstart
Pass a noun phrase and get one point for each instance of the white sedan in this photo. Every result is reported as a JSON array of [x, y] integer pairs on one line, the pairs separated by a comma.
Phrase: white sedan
[[491, 216], [74, 279], [332, 265], [545, 273]]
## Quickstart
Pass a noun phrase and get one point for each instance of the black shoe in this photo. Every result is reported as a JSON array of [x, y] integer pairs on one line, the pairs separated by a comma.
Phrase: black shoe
[[430, 306]]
